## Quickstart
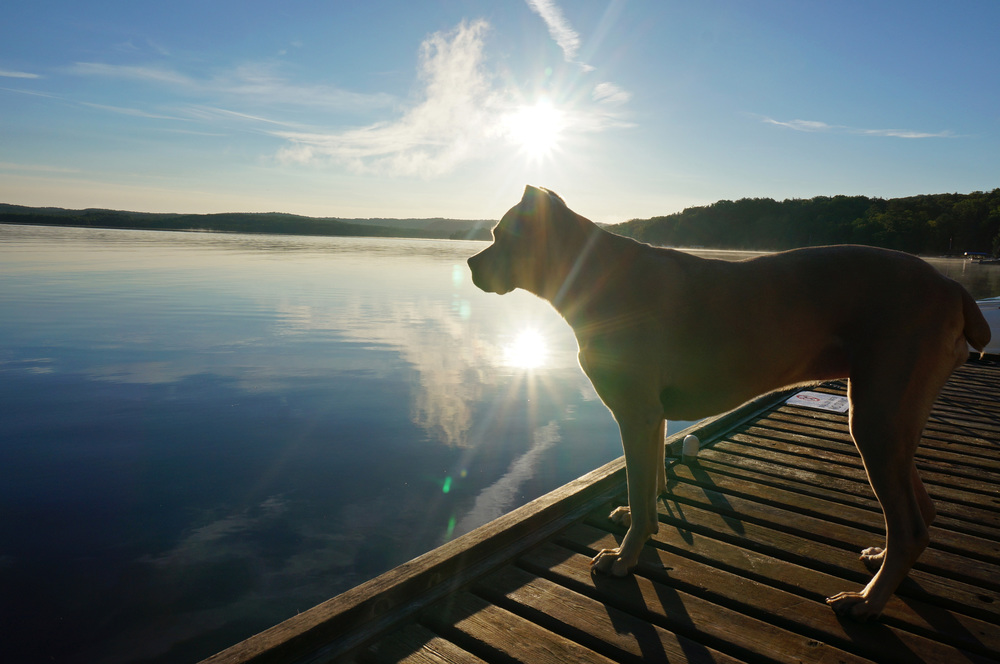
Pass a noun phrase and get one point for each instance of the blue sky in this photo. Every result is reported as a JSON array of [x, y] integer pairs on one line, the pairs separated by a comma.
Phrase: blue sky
[[628, 108]]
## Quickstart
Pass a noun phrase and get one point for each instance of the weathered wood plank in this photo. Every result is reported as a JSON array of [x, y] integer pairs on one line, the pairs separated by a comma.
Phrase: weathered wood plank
[[716, 488], [939, 433], [701, 620], [415, 644], [939, 484], [837, 491], [491, 632], [682, 497], [821, 553], [828, 446], [618, 634], [915, 638]]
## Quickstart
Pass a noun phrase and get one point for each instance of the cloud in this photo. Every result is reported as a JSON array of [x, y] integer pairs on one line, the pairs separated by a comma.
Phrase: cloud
[[458, 112], [905, 133], [17, 74], [40, 168], [559, 28], [134, 112], [609, 93], [815, 126], [258, 82], [264, 81], [606, 94], [133, 72]]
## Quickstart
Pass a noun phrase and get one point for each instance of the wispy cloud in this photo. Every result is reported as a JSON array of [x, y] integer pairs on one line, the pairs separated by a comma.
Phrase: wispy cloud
[[817, 126], [4, 73], [261, 83], [458, 109], [461, 112], [134, 72], [134, 112], [214, 112], [609, 93], [35, 168], [559, 28], [606, 94]]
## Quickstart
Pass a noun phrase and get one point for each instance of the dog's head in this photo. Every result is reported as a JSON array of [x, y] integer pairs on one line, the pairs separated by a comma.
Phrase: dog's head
[[524, 245]]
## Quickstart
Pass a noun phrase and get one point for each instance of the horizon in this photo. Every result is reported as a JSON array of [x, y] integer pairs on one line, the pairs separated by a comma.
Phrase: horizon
[[494, 219], [396, 110]]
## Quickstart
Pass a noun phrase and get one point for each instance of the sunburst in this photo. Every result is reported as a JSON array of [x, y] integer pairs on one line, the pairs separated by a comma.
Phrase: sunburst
[[536, 128]]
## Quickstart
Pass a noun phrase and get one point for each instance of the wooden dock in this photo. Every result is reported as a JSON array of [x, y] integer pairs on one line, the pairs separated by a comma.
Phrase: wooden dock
[[754, 534]]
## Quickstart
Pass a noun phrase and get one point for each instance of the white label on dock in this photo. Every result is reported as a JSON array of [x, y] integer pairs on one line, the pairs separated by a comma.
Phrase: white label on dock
[[820, 401]]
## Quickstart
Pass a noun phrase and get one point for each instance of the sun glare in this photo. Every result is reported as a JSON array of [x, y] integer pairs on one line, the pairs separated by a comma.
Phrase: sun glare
[[527, 351], [536, 128]]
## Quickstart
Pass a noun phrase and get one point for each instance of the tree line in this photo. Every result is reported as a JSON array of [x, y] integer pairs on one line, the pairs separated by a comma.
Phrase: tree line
[[934, 224], [237, 222]]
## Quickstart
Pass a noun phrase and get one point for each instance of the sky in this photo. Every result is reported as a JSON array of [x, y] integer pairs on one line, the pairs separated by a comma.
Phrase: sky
[[395, 108]]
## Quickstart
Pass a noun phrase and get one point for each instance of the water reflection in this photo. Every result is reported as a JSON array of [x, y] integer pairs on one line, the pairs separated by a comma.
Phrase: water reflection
[[219, 431], [528, 350]]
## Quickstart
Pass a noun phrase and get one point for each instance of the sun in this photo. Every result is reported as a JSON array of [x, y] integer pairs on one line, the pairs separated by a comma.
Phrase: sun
[[529, 350], [536, 128]]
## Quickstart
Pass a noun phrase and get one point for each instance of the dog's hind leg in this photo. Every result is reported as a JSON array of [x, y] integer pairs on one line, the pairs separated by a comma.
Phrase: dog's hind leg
[[642, 438], [872, 556], [891, 397], [887, 452]]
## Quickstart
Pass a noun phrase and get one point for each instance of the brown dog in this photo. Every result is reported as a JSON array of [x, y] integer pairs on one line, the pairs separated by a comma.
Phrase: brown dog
[[664, 334]]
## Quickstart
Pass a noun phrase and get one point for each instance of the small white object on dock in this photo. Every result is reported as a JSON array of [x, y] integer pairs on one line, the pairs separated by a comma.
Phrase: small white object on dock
[[691, 445]]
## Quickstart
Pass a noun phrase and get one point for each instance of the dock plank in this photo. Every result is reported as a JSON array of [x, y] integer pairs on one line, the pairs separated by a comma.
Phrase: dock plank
[[621, 635], [484, 628], [415, 644], [805, 613], [665, 604], [823, 548]]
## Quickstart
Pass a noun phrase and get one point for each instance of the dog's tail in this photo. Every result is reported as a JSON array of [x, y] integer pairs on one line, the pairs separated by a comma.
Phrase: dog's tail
[[977, 330]]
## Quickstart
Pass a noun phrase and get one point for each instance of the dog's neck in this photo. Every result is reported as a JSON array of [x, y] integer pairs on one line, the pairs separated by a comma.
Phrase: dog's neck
[[565, 289], [573, 267]]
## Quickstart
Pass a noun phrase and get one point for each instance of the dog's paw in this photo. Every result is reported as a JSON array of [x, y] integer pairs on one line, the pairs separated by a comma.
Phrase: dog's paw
[[622, 516], [853, 605], [872, 558], [610, 562]]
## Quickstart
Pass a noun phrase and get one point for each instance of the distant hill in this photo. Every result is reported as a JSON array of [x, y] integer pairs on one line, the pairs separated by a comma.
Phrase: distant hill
[[238, 222], [934, 224]]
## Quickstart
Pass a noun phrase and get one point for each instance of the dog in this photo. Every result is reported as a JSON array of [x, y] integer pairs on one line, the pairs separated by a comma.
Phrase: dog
[[667, 335]]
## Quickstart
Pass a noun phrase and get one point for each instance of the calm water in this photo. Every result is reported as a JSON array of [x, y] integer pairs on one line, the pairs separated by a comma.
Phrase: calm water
[[201, 435]]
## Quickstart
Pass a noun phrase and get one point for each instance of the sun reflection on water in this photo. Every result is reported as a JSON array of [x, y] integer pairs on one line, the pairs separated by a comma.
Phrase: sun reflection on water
[[528, 350]]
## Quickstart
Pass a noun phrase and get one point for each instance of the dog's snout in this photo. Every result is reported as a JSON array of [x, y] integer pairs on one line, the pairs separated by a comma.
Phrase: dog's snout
[[487, 274]]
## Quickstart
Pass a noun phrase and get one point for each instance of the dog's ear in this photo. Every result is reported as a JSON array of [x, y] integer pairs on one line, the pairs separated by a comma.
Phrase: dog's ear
[[533, 194]]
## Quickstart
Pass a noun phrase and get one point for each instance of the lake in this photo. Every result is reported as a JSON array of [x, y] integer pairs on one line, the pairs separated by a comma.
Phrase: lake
[[204, 434]]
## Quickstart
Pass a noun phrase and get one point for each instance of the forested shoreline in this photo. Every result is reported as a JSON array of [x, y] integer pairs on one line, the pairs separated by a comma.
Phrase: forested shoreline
[[274, 223], [933, 224]]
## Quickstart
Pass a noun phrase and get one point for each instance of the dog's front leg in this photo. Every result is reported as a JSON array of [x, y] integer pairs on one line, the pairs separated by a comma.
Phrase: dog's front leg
[[642, 439]]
